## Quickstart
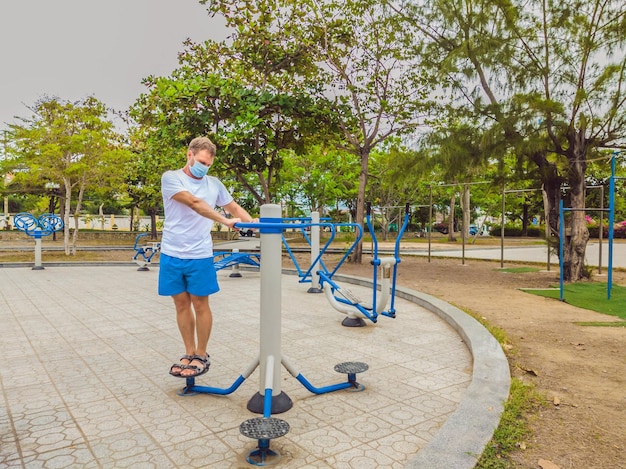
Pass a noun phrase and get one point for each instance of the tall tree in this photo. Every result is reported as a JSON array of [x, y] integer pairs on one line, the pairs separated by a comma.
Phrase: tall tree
[[71, 144], [254, 95], [387, 190], [549, 76], [361, 61], [378, 86]]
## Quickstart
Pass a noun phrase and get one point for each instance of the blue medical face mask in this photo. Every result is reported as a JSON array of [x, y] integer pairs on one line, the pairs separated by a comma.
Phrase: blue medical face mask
[[198, 169]]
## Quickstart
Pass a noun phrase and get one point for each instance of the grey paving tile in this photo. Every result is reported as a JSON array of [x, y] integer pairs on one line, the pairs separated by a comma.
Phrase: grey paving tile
[[94, 389], [122, 449], [75, 456], [52, 429], [199, 451]]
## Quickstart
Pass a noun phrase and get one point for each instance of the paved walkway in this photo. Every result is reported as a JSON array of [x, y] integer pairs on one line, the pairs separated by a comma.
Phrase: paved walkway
[[596, 254], [86, 349]]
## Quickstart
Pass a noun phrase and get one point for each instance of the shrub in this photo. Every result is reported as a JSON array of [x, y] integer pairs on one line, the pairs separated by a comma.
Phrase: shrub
[[516, 231]]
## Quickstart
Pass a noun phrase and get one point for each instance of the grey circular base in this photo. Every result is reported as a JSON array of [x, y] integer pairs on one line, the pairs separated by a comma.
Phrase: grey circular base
[[281, 403], [353, 322]]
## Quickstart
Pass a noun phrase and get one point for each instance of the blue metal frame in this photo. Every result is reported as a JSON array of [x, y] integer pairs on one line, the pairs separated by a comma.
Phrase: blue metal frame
[[191, 388], [224, 259], [611, 221], [143, 250], [45, 225], [327, 277], [307, 276]]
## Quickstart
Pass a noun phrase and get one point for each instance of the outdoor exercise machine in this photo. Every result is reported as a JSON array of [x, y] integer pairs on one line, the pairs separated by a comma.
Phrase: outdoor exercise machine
[[144, 252], [270, 399], [346, 302], [234, 259], [37, 228], [313, 223]]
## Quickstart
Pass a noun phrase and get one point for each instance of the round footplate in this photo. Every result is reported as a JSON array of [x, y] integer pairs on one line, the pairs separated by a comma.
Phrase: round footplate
[[264, 428], [351, 367]]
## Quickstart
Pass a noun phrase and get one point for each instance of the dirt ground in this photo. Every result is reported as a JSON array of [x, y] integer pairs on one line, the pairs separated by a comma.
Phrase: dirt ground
[[580, 370]]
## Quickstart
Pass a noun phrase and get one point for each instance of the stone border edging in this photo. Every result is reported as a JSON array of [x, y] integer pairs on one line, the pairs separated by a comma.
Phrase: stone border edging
[[463, 437]]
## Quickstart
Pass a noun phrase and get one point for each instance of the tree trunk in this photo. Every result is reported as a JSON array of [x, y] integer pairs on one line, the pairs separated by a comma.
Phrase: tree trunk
[[153, 227], [552, 197], [357, 254], [101, 216], [525, 219], [465, 206], [384, 224], [551, 191], [451, 237], [132, 218], [66, 215], [79, 204], [575, 242]]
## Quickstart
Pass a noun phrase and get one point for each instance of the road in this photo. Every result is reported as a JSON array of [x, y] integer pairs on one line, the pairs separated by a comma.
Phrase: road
[[514, 253]]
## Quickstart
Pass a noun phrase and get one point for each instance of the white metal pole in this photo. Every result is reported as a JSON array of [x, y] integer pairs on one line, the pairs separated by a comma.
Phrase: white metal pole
[[38, 265], [271, 291], [315, 251], [235, 267]]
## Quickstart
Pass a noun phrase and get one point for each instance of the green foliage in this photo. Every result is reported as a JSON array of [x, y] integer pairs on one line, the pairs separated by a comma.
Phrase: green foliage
[[543, 81], [321, 177], [65, 149], [350, 58], [256, 96], [516, 231]]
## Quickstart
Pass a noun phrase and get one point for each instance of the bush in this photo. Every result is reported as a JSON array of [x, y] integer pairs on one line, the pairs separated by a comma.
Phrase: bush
[[516, 231]]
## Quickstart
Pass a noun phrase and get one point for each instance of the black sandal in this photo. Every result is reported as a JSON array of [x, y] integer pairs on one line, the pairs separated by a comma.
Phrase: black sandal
[[180, 366], [206, 363]]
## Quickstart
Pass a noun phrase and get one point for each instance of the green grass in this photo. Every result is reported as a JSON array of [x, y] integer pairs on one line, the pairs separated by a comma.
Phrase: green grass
[[591, 296], [521, 405], [513, 429]]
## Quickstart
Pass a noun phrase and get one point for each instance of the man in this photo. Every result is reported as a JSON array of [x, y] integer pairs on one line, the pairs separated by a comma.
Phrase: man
[[186, 270]]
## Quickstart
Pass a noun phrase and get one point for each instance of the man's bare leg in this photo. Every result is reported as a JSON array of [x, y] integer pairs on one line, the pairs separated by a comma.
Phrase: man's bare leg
[[204, 323], [186, 324], [203, 326]]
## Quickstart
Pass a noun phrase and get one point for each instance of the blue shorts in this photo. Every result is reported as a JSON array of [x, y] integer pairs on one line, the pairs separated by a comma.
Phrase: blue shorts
[[194, 276]]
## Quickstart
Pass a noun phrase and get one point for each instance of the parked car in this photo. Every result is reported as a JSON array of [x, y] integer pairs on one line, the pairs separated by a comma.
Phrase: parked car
[[473, 230], [441, 228], [246, 232]]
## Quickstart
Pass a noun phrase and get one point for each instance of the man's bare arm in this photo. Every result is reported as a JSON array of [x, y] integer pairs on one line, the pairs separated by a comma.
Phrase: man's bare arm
[[238, 211], [202, 208]]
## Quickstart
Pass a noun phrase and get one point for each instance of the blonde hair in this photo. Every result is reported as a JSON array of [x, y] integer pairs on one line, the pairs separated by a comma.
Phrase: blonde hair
[[202, 143]]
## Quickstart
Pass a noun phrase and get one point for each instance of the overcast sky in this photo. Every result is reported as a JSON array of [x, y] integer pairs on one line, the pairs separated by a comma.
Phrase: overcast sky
[[103, 48]]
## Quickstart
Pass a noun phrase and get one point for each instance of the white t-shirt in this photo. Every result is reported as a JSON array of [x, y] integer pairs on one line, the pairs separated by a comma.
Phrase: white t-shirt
[[187, 235]]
